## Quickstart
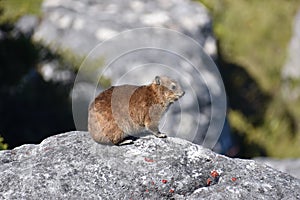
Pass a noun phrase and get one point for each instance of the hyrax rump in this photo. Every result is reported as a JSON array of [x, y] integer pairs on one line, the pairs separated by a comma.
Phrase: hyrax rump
[[129, 110]]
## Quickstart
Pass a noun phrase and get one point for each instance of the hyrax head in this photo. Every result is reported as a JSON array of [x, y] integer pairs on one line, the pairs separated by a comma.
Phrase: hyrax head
[[169, 87]]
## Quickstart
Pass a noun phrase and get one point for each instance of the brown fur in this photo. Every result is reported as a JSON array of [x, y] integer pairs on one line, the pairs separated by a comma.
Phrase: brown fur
[[126, 110]]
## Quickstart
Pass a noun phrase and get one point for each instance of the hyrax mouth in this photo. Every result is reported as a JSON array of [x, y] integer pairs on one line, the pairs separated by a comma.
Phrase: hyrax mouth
[[180, 95], [177, 96]]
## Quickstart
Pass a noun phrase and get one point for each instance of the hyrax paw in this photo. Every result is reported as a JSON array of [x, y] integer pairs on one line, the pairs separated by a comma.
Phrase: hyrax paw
[[160, 135]]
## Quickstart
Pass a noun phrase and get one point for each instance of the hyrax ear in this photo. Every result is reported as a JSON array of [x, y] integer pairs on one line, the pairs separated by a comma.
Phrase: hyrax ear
[[157, 80]]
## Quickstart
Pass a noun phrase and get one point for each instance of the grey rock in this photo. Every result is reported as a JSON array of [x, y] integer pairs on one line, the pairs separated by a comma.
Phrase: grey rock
[[73, 166], [291, 69], [26, 25], [290, 166]]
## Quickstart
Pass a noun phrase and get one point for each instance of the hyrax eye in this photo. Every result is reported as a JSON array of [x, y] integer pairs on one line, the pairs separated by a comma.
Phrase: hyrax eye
[[173, 87]]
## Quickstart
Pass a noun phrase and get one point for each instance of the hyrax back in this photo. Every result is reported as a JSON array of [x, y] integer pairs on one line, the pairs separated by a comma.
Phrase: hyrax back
[[126, 110]]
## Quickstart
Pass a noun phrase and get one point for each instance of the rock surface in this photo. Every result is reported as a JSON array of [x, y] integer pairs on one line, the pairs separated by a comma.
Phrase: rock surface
[[290, 166], [138, 55], [73, 166]]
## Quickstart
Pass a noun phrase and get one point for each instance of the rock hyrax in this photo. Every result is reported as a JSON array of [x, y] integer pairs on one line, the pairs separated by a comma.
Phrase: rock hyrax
[[130, 110]]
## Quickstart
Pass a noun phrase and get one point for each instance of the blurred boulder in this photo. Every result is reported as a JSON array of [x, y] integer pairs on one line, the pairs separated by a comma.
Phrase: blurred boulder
[[79, 26]]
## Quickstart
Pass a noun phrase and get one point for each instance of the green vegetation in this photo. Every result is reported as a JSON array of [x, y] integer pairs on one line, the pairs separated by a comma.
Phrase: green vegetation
[[13, 9], [253, 39], [3, 146]]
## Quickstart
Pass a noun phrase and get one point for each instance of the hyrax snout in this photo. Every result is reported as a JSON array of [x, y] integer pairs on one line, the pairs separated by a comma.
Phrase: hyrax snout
[[129, 110]]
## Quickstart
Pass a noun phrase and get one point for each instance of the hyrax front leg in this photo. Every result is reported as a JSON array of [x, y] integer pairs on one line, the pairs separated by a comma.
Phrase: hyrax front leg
[[159, 135], [152, 120], [153, 128]]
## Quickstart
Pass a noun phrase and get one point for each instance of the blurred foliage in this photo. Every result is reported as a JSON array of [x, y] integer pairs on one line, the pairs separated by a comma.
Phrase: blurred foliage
[[253, 37], [71, 58], [30, 107], [3, 146], [256, 34], [90, 65], [13, 9]]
